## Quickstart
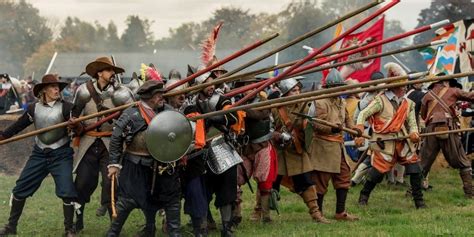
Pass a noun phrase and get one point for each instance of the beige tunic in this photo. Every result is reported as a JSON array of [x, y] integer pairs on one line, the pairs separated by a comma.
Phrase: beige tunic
[[326, 147]]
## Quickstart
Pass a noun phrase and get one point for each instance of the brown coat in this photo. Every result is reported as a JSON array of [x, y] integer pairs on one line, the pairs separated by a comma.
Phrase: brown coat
[[450, 97], [327, 148], [291, 163]]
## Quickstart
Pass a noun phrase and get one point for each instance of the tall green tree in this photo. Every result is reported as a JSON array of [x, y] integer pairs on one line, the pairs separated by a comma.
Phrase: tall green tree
[[22, 31], [137, 36]]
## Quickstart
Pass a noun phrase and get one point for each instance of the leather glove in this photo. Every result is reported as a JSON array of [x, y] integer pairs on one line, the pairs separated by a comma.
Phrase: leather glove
[[414, 137], [274, 95], [337, 130], [359, 141], [217, 120]]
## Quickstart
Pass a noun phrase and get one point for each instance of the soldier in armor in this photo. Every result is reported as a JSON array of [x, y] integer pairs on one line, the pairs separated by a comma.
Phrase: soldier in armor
[[260, 158], [222, 185], [92, 156], [328, 154], [51, 154], [439, 113], [390, 113], [141, 185], [178, 102], [294, 164]]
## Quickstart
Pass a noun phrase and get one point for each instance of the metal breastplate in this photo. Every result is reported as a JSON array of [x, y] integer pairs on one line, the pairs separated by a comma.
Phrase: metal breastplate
[[46, 116], [138, 145], [210, 104]]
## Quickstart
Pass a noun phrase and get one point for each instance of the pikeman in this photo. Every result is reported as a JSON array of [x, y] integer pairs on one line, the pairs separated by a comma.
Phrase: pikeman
[[177, 101], [193, 165], [389, 113], [144, 183], [328, 154], [51, 153], [260, 158], [92, 156], [221, 181], [439, 113], [294, 163]]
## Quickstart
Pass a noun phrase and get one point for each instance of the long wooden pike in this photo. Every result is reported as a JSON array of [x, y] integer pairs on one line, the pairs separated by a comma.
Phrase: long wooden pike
[[64, 124], [250, 74], [425, 134], [332, 125], [316, 52], [330, 59], [223, 61], [305, 36], [335, 91]]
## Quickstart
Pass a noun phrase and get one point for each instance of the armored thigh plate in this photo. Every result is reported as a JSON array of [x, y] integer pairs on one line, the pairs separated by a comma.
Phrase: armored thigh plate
[[169, 136], [223, 156]]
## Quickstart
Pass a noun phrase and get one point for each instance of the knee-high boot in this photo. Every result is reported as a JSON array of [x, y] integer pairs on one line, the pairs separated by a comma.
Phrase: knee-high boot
[[124, 207], [15, 213], [466, 178], [374, 177], [415, 182], [173, 219], [68, 211]]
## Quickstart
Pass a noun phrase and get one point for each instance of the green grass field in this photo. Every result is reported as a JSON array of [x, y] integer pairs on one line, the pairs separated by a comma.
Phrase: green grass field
[[389, 213]]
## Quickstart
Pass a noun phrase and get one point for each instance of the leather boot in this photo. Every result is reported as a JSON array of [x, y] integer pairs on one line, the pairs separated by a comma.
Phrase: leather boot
[[237, 209], [124, 207], [373, 178], [173, 221], [226, 214], [15, 213], [198, 229], [149, 229], [310, 198], [79, 225], [257, 210], [265, 202], [227, 229], [415, 182], [68, 211], [466, 178]]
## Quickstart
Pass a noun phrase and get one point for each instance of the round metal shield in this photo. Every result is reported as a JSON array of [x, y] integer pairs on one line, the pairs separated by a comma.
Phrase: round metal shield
[[169, 136]]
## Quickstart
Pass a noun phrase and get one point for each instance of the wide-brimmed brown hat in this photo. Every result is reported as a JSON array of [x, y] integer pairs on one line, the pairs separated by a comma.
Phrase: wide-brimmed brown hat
[[150, 88], [49, 79], [101, 64]]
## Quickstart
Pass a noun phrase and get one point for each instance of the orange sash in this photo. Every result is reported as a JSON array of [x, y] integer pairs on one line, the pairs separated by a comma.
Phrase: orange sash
[[200, 133], [239, 127], [394, 124]]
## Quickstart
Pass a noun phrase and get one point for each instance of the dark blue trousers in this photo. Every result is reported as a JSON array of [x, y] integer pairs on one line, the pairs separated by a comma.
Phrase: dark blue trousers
[[57, 162]]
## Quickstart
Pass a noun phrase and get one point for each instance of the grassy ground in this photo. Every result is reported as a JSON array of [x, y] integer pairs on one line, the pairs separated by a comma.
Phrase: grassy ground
[[390, 213]]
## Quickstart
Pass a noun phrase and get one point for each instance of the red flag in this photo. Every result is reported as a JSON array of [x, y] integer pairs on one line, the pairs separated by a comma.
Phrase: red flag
[[361, 71]]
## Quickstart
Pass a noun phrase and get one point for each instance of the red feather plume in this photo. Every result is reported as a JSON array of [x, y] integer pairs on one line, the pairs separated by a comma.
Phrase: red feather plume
[[209, 45]]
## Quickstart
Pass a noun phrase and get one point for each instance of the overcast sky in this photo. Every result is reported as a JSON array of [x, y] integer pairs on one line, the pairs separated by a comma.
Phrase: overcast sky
[[172, 13]]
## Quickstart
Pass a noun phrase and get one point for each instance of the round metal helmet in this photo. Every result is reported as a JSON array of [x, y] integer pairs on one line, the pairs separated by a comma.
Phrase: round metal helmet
[[334, 78], [122, 95], [173, 81], [288, 84], [174, 74], [169, 136], [201, 79]]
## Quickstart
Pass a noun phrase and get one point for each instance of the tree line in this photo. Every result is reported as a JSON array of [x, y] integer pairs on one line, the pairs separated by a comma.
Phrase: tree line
[[28, 39]]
